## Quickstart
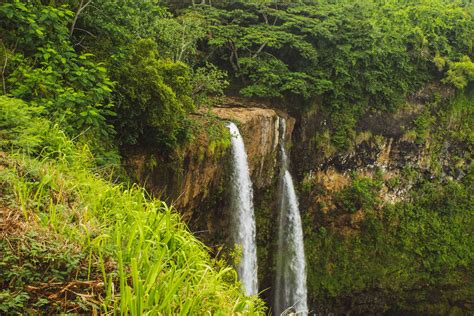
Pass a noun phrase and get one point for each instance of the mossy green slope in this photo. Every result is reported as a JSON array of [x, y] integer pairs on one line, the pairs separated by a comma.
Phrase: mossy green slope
[[74, 242]]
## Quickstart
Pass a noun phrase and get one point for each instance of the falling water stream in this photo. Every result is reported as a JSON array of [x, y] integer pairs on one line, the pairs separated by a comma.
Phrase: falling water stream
[[243, 213], [290, 291]]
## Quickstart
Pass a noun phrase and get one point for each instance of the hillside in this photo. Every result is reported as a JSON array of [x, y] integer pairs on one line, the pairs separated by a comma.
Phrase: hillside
[[72, 241]]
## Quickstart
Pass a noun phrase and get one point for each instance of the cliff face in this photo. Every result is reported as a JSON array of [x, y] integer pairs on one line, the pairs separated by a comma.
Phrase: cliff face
[[385, 144], [260, 129], [196, 181], [372, 209], [343, 195]]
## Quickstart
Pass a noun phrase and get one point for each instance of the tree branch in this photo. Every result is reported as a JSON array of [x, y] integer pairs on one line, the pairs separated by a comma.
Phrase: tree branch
[[85, 31], [3, 68], [234, 56], [265, 17], [259, 50], [78, 12]]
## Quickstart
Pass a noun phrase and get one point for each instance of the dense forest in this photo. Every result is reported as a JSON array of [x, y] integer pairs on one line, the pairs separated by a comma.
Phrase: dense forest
[[87, 84]]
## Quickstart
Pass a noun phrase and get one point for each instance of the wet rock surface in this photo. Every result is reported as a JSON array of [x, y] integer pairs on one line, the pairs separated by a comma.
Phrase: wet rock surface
[[196, 182]]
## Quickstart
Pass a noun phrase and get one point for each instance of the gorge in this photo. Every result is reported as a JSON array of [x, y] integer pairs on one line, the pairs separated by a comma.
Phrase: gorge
[[327, 184], [235, 157], [257, 157]]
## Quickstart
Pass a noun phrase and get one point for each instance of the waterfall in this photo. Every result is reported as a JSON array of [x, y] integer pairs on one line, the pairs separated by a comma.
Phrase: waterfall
[[290, 291], [243, 213]]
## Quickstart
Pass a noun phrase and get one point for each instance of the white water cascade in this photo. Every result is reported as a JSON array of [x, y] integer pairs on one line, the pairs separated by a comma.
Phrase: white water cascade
[[290, 291], [243, 213]]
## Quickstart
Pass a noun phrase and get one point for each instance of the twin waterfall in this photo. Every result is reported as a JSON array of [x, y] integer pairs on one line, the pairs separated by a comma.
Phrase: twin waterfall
[[242, 210], [290, 291]]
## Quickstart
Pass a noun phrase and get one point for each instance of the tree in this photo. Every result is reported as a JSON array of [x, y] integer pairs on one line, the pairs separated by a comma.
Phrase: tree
[[153, 96], [177, 37]]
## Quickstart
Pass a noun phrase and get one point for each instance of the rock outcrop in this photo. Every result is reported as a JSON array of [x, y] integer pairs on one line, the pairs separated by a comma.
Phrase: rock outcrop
[[260, 130], [196, 181]]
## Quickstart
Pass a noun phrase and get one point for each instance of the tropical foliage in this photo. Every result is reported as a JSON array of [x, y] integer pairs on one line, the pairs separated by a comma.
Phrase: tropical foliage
[[82, 83], [75, 242]]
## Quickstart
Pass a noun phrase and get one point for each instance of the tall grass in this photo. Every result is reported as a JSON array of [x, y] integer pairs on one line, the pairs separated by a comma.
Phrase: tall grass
[[149, 261]]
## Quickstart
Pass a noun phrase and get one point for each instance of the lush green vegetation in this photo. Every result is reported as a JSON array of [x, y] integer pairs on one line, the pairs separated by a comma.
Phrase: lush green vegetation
[[137, 70], [74, 242], [414, 254], [109, 74], [349, 56], [411, 256], [83, 82]]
